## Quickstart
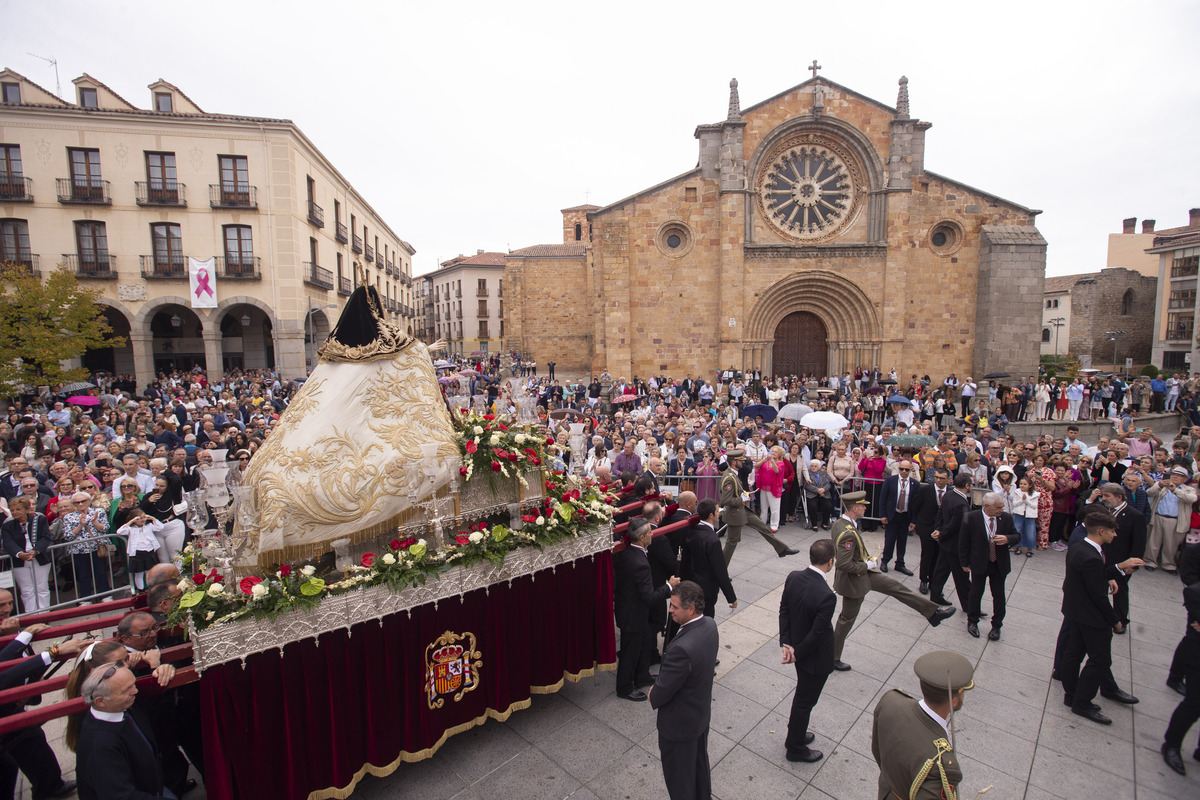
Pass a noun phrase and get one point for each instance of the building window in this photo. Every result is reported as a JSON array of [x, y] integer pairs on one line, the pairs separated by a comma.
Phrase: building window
[[481, 288], [167, 240], [88, 97], [235, 177], [1174, 360], [483, 329], [11, 92], [1184, 266], [86, 182], [91, 241], [12, 177], [1127, 303], [1179, 326], [312, 251], [337, 211], [1180, 298], [14, 242], [578, 232], [163, 102], [1045, 334], [483, 308], [239, 247], [161, 183]]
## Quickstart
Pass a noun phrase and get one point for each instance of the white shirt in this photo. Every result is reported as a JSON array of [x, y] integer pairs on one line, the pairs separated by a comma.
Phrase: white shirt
[[108, 716], [24, 637], [936, 717]]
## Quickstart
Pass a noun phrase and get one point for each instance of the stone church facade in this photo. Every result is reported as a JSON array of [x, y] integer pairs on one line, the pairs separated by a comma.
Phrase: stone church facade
[[810, 238]]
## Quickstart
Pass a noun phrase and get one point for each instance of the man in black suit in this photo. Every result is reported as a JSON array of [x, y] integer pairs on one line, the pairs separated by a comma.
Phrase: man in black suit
[[925, 507], [896, 500], [1187, 660], [26, 750], [703, 560], [634, 594], [115, 756], [1090, 619], [983, 554], [955, 505], [1129, 543], [682, 694], [664, 562], [806, 638]]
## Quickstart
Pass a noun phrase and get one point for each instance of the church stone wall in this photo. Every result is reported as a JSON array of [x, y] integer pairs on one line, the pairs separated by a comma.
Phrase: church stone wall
[[1096, 305], [547, 311]]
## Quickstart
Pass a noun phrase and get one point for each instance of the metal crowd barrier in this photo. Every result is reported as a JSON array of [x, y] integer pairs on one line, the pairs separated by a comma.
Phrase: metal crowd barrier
[[62, 578]]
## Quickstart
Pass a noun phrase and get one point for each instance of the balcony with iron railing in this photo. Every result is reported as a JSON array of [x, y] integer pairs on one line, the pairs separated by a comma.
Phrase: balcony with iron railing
[[21, 259], [90, 191], [169, 267], [345, 288], [356, 244], [481, 292], [101, 266], [16, 189], [316, 214], [369, 254], [1179, 333], [391, 268], [160, 193], [318, 276], [232, 195], [341, 234], [482, 314], [239, 268], [458, 314], [1186, 302]]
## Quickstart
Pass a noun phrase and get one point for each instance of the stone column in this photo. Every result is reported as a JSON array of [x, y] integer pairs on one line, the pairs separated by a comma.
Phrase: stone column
[[214, 353], [289, 345], [143, 358]]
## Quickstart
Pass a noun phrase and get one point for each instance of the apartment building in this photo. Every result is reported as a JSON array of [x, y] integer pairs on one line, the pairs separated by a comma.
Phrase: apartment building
[[468, 303]]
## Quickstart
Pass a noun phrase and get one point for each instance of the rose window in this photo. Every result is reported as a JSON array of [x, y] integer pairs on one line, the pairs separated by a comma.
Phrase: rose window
[[808, 190]]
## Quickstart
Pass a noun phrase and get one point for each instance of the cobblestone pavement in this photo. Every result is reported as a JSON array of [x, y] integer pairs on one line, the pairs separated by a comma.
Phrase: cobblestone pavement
[[1013, 732]]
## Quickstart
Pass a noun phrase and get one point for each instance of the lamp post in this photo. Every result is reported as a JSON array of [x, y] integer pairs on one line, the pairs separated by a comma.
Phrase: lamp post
[[308, 324], [1113, 335], [1057, 322]]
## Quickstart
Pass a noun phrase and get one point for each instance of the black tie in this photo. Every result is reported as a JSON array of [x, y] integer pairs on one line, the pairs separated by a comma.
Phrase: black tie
[[940, 493]]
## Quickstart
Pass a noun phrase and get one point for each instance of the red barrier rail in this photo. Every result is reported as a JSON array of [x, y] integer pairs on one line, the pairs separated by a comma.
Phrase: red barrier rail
[[64, 630], [50, 617], [60, 681], [665, 529], [40, 715]]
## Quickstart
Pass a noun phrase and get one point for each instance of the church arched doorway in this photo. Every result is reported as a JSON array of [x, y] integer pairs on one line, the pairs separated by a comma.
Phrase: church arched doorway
[[800, 345]]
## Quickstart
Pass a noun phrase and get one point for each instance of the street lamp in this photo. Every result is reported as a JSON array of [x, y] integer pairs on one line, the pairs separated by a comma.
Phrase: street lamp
[[308, 324], [1057, 322], [1112, 335]]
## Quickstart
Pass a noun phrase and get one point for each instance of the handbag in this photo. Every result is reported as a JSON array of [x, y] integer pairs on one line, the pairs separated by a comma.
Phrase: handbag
[[180, 508], [102, 550]]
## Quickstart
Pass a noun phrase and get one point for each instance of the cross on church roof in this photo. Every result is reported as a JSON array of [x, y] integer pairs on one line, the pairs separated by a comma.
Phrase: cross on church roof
[[815, 68]]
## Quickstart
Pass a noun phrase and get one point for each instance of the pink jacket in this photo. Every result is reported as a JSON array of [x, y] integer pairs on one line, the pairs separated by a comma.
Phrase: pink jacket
[[769, 478]]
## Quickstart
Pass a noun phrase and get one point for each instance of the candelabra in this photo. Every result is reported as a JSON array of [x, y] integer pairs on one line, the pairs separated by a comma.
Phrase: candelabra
[[578, 450], [226, 545], [423, 493]]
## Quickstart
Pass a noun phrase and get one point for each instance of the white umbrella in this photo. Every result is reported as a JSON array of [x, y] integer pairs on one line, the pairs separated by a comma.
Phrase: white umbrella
[[796, 411], [825, 421]]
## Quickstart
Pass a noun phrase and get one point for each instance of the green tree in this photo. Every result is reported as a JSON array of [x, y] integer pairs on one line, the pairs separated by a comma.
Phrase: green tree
[[43, 324]]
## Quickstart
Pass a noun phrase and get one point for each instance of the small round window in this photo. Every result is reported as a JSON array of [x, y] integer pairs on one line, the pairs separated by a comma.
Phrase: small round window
[[674, 239], [946, 237]]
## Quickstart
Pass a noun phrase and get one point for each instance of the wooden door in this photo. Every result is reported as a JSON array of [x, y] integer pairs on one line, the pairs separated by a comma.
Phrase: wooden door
[[800, 346]]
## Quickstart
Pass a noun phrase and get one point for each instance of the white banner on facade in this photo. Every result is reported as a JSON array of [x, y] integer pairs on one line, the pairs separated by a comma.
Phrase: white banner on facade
[[202, 276]]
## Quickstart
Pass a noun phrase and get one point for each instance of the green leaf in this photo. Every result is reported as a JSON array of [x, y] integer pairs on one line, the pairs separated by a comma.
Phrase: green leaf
[[417, 550], [312, 587], [190, 599]]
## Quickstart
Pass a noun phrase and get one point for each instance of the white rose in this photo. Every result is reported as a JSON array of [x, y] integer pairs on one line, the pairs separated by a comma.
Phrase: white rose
[[185, 586], [495, 440], [478, 430], [540, 520], [388, 558], [308, 571], [420, 541], [476, 537], [520, 437], [259, 591], [215, 589]]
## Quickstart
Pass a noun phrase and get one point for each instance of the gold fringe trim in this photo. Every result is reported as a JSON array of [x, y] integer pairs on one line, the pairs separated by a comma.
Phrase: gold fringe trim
[[301, 552], [340, 793]]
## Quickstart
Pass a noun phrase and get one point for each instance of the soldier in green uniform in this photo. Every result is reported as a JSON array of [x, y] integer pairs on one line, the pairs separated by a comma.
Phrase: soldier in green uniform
[[733, 510], [911, 738], [856, 575]]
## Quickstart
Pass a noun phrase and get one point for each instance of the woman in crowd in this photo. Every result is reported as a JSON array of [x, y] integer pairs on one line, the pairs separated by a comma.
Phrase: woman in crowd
[[160, 505], [84, 528], [792, 491], [871, 469], [1063, 495], [1025, 516], [769, 478], [1043, 483], [26, 539], [818, 492], [104, 654]]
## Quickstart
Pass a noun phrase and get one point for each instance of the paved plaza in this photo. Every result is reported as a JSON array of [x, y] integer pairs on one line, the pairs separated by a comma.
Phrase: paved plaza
[[1013, 733]]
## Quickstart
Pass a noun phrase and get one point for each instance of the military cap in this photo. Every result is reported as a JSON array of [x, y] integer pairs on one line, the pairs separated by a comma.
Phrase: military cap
[[943, 668], [854, 498], [735, 452]]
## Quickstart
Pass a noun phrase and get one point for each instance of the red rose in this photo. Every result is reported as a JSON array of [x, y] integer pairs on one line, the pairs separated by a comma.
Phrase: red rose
[[285, 570], [248, 583], [395, 545], [213, 576], [471, 447], [503, 427], [462, 538], [495, 466], [368, 559], [549, 440], [489, 417], [199, 578], [462, 471], [513, 457], [549, 484], [537, 462], [500, 452]]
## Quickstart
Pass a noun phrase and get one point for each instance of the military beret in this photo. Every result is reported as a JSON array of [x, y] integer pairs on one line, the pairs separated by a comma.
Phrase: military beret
[[943, 668], [735, 452], [854, 498]]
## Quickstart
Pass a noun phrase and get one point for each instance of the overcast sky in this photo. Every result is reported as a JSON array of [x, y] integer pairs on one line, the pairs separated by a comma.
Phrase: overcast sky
[[469, 125]]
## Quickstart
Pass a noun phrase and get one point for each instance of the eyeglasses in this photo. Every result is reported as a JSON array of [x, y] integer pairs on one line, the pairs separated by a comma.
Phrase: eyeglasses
[[903, 469], [152, 629]]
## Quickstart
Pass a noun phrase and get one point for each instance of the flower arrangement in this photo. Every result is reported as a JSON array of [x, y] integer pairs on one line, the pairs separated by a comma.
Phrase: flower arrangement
[[489, 445], [568, 509]]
